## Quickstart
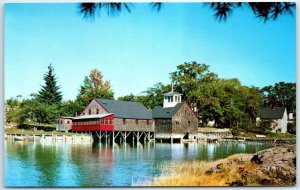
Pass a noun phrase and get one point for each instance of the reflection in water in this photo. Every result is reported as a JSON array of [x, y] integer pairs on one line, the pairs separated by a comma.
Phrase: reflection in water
[[60, 164]]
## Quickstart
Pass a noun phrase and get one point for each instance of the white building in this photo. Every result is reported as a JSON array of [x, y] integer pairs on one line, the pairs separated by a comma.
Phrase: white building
[[277, 116]]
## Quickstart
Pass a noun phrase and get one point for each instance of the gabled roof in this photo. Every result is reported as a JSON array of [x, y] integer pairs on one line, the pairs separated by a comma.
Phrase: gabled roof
[[172, 93], [125, 109], [94, 116], [165, 113], [269, 113]]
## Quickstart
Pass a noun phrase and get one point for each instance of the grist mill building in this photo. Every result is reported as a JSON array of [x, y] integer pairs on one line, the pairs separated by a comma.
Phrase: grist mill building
[[175, 120], [116, 120]]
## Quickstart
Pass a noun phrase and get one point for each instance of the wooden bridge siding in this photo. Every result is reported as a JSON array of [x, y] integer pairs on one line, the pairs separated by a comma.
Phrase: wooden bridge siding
[[163, 126], [130, 125], [93, 106]]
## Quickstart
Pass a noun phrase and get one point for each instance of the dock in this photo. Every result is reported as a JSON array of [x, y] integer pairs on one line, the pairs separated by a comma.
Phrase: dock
[[75, 138]]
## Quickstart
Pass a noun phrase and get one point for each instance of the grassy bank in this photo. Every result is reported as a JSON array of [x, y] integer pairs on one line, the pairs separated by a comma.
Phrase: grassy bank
[[27, 131], [270, 167], [223, 172]]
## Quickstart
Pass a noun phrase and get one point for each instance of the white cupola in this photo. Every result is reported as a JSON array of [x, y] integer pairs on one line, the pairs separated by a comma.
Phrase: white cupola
[[171, 99]]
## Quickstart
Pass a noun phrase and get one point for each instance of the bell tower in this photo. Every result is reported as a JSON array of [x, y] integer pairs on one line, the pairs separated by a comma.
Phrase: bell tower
[[171, 98]]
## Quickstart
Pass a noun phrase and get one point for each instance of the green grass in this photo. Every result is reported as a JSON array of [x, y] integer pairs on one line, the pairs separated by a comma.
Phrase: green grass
[[281, 136], [29, 131]]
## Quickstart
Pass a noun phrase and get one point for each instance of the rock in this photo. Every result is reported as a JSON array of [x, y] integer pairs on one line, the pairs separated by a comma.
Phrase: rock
[[220, 166], [209, 172], [257, 159], [277, 166], [236, 183]]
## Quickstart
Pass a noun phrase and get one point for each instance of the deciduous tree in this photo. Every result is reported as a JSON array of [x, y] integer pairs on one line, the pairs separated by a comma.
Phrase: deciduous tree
[[94, 87]]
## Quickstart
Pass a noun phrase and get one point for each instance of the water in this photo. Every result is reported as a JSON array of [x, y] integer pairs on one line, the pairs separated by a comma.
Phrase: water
[[63, 165]]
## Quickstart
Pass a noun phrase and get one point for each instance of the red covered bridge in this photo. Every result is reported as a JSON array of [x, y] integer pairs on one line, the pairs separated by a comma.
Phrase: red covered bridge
[[97, 122]]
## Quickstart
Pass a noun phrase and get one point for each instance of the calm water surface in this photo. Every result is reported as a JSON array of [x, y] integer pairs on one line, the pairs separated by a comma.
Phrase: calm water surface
[[61, 164]]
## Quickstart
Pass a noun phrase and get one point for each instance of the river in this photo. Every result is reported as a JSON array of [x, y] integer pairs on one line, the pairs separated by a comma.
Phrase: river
[[48, 164]]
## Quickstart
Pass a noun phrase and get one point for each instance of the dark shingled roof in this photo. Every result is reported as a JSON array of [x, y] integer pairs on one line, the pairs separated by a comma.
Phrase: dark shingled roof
[[126, 109], [269, 113], [165, 113], [172, 93]]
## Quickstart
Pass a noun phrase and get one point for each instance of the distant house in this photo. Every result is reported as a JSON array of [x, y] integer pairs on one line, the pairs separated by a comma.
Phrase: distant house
[[277, 116], [175, 120], [114, 115], [64, 124]]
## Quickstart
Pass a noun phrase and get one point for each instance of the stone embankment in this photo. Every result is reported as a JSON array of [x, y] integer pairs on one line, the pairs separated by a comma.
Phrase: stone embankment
[[277, 166], [274, 167]]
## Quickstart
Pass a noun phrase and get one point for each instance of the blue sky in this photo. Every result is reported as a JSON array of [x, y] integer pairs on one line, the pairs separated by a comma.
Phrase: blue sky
[[134, 51]]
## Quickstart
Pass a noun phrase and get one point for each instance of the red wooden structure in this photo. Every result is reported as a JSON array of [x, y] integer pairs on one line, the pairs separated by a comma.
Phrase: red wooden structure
[[98, 122]]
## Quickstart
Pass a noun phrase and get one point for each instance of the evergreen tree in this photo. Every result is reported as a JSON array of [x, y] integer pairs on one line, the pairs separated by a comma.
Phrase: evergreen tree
[[50, 93]]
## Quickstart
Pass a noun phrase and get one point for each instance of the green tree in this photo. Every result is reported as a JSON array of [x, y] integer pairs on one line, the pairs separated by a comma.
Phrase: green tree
[[153, 96], [33, 111], [12, 110], [191, 77], [225, 101], [94, 87], [280, 95], [129, 97], [50, 93], [70, 108]]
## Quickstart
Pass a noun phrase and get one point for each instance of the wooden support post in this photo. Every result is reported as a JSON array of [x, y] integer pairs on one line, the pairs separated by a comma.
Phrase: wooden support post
[[125, 137], [121, 137], [106, 137], [113, 137], [132, 137]]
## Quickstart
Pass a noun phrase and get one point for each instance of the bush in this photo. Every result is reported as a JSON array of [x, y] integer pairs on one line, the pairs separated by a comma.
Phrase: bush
[[291, 128], [38, 127]]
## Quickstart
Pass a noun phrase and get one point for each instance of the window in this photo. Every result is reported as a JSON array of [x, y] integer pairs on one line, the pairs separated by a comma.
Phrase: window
[[189, 122], [124, 121], [177, 122], [90, 111], [147, 121], [97, 111], [171, 98], [61, 121], [136, 122], [175, 98], [68, 122]]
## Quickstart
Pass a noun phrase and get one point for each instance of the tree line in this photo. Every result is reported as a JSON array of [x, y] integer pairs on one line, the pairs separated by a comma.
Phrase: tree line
[[225, 101]]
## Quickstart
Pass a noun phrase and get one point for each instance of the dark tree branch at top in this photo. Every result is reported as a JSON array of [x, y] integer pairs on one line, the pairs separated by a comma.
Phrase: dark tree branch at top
[[222, 10]]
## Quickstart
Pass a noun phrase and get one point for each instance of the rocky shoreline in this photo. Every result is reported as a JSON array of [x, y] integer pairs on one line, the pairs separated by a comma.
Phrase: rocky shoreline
[[271, 167], [275, 167]]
